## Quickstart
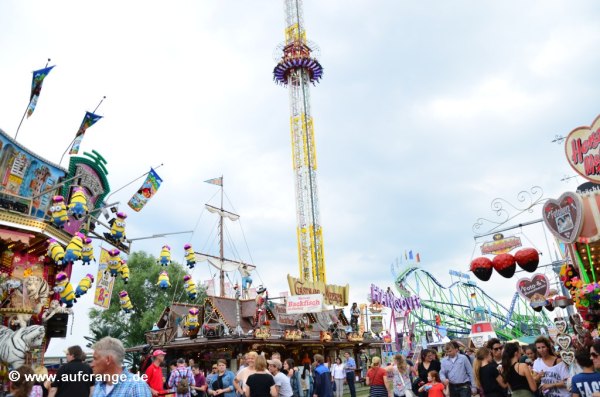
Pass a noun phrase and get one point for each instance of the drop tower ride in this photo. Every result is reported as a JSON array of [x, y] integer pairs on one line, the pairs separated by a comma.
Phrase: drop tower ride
[[297, 69]]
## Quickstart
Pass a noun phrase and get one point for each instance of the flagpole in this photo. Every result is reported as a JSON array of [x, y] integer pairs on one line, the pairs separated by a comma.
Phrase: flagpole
[[63, 156], [133, 181], [27, 107], [221, 251]]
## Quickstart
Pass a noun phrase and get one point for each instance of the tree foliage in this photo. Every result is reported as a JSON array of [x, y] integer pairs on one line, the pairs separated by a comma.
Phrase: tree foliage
[[148, 299]]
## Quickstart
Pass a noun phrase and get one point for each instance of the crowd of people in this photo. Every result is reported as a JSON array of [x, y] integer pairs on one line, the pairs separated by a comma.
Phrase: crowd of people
[[495, 370]]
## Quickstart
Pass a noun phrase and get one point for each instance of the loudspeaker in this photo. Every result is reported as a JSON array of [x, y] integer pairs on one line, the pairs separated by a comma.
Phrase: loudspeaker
[[56, 327]]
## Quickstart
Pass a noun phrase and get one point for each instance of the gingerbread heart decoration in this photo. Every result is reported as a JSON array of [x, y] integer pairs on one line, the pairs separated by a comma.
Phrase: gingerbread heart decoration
[[564, 341], [533, 289], [581, 331], [567, 356], [580, 147], [561, 324], [575, 318], [564, 216]]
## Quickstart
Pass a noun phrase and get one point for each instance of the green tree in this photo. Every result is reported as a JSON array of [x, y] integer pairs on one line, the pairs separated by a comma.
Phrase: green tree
[[148, 300], [100, 330]]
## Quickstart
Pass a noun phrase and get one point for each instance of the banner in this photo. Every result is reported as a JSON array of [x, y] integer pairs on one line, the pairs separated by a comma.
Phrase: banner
[[148, 189], [88, 120], [36, 88], [304, 304], [105, 283], [332, 294]]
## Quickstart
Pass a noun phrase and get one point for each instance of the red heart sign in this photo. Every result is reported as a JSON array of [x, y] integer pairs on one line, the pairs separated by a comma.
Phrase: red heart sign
[[535, 288], [582, 149], [564, 216]]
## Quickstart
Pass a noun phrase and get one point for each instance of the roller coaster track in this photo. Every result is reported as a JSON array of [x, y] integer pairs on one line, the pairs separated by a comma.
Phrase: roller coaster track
[[507, 321]]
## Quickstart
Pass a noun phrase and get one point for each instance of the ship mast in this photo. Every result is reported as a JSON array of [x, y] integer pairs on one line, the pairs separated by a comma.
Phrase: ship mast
[[220, 262], [297, 69]]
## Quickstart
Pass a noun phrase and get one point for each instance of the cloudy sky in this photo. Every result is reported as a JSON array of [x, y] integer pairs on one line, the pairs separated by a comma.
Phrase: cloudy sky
[[427, 112]]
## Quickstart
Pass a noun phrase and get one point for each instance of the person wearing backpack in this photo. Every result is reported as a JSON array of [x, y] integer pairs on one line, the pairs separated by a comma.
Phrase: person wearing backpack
[[181, 379]]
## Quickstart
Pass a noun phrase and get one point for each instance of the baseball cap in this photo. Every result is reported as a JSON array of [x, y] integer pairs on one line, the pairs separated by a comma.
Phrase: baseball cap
[[275, 362], [158, 353]]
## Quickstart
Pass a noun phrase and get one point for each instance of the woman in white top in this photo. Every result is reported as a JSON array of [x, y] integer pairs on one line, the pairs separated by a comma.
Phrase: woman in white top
[[549, 370], [338, 375]]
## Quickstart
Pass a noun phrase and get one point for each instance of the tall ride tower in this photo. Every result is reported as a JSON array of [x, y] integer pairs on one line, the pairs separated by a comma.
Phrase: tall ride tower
[[296, 70]]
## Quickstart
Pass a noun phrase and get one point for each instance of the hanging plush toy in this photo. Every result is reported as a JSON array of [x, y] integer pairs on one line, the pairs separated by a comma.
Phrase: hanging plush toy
[[78, 205], [84, 285], [165, 256], [124, 270], [190, 286], [163, 280], [190, 256], [87, 252], [65, 289], [73, 251], [125, 302], [117, 228], [191, 320], [59, 211], [114, 262], [56, 251]]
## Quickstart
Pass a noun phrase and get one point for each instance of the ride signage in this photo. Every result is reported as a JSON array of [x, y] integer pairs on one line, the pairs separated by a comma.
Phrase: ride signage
[[387, 299], [336, 295], [582, 147]]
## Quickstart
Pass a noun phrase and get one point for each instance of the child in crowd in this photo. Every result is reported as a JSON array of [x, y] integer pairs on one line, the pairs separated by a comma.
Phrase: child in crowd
[[434, 387]]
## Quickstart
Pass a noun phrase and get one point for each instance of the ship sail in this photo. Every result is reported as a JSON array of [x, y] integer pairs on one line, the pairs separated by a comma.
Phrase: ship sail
[[226, 214], [226, 265]]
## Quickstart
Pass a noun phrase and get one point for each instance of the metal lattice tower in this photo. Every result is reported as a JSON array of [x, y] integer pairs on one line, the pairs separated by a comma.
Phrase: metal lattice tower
[[296, 70]]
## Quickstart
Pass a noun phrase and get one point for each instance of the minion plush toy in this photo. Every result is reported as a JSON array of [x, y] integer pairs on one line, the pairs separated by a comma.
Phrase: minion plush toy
[[59, 211], [114, 262], [190, 256], [84, 285], [65, 289], [163, 280], [165, 256], [190, 286], [191, 320], [124, 270], [87, 252], [78, 205], [117, 228], [125, 302], [56, 252], [73, 251]]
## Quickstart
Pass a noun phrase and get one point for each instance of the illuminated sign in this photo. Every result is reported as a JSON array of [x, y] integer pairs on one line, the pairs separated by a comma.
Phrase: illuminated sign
[[500, 245]]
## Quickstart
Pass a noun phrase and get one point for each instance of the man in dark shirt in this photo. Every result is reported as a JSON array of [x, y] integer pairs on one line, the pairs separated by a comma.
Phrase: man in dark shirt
[[67, 383]]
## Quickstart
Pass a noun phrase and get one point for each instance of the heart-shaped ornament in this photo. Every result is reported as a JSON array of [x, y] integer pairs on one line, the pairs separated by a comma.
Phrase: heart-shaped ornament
[[564, 341], [564, 216], [575, 319], [533, 289], [567, 356], [561, 324], [580, 147], [581, 331]]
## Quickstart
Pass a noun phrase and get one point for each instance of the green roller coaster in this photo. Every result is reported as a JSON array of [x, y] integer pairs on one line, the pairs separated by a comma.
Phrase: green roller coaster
[[451, 308]]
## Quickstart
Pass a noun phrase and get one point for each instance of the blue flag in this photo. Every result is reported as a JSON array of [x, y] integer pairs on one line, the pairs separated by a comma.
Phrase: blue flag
[[410, 255], [88, 120], [36, 88]]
